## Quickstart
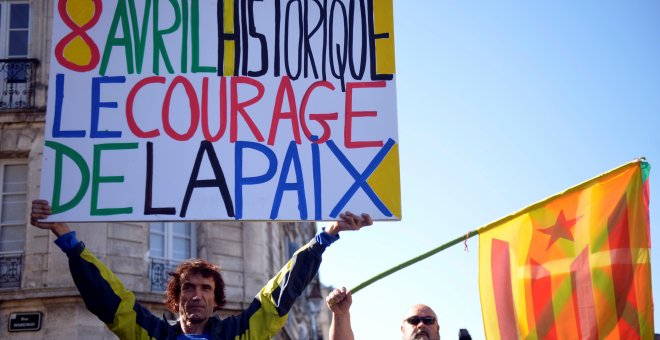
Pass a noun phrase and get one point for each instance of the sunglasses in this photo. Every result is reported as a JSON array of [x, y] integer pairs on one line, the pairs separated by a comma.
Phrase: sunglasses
[[414, 320]]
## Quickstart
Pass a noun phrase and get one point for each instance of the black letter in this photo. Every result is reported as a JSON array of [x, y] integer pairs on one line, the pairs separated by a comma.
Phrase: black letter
[[351, 37], [308, 56], [339, 74], [218, 182], [286, 39], [148, 191], [372, 45], [262, 41]]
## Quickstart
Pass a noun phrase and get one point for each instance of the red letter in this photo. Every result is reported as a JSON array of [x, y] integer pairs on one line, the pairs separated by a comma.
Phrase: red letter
[[130, 117], [350, 114], [79, 32], [194, 109], [205, 110], [237, 107], [285, 85], [319, 117]]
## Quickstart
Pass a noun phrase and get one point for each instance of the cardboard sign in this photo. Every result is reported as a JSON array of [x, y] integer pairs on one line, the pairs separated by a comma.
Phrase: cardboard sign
[[221, 110]]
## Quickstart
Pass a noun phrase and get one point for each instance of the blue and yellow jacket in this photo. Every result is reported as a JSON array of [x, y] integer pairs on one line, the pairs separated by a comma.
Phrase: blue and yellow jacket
[[110, 301]]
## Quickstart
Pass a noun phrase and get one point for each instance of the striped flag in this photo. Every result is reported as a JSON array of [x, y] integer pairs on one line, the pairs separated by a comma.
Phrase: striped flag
[[574, 266]]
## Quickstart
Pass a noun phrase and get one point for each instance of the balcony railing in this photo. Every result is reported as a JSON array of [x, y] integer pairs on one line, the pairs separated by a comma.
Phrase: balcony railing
[[11, 265], [17, 83], [159, 273]]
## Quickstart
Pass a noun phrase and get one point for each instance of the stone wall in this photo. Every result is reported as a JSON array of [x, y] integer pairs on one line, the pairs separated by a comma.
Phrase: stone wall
[[249, 253]]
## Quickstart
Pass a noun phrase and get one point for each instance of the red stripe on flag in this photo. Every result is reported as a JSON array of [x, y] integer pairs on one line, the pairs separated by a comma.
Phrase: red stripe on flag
[[501, 276], [583, 297], [541, 284], [623, 272]]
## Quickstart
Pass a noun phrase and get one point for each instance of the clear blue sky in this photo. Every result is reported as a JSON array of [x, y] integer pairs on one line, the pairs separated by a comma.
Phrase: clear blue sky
[[500, 105]]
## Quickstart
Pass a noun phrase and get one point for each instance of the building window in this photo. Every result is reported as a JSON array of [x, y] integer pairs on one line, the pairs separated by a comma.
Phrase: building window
[[13, 205], [14, 29], [13, 176], [169, 244], [17, 71]]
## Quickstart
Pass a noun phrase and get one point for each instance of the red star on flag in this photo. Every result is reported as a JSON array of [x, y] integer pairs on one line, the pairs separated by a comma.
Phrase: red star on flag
[[561, 229]]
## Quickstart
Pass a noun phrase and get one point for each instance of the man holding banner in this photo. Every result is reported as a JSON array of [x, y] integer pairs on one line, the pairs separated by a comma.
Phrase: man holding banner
[[420, 322], [195, 292]]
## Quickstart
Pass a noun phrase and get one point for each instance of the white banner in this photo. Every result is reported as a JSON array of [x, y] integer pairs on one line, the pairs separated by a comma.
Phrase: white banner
[[235, 110]]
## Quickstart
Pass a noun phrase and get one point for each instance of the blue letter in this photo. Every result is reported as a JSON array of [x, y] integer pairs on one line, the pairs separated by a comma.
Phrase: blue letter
[[57, 122], [299, 185], [316, 169], [361, 178], [240, 180], [97, 104]]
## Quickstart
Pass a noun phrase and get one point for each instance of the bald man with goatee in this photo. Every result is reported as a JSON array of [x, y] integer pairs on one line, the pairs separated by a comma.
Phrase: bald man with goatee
[[420, 321]]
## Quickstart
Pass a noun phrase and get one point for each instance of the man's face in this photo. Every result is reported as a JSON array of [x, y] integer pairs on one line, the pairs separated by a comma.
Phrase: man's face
[[420, 322], [197, 299]]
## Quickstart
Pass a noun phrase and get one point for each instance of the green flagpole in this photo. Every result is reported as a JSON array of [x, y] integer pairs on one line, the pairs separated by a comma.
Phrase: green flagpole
[[645, 168], [414, 260]]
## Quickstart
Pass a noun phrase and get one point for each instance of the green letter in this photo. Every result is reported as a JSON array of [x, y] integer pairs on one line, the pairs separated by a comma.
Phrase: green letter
[[61, 149], [194, 26], [98, 179], [184, 37], [120, 16], [159, 44], [139, 36]]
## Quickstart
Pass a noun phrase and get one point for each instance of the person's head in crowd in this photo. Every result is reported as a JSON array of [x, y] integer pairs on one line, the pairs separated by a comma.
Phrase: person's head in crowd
[[420, 322]]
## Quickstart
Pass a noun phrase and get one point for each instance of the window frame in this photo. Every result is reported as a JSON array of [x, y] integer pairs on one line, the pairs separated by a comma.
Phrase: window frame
[[5, 29], [169, 236], [3, 164]]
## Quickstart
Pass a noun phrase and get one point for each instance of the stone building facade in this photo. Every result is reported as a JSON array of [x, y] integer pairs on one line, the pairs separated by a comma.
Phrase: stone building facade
[[34, 275]]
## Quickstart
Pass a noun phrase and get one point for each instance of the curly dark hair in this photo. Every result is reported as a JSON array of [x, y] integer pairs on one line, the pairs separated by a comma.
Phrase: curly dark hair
[[193, 267]]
